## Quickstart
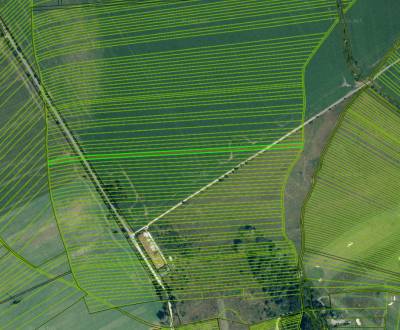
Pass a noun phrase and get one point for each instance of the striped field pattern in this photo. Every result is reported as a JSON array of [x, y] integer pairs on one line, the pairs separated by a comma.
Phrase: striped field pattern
[[161, 110], [35, 306], [26, 219], [390, 80], [353, 211]]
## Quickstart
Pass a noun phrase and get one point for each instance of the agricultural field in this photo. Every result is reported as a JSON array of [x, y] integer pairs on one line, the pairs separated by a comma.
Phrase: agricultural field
[[101, 259], [388, 84], [330, 271], [365, 190], [316, 136], [229, 241], [24, 201], [161, 113], [29, 236], [153, 142], [351, 309], [205, 325], [77, 317], [199, 164], [329, 76], [282, 323], [356, 181], [30, 297], [374, 28], [17, 15]]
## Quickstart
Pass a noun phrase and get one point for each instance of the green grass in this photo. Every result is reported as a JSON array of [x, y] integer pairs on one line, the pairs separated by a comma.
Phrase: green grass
[[352, 213], [266, 325]]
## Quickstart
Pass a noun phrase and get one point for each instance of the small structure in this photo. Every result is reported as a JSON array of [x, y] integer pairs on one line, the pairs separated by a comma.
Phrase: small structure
[[152, 249]]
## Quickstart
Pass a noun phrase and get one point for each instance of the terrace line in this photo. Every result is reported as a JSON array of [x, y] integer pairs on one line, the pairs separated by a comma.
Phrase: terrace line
[[74, 144], [177, 152]]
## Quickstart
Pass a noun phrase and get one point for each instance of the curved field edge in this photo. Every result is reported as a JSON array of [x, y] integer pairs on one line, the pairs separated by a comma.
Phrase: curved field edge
[[75, 190], [367, 49], [134, 163], [350, 242]]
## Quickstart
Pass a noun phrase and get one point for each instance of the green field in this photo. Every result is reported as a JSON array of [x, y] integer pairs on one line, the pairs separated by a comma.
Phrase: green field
[[28, 234], [353, 211], [205, 325], [77, 317], [374, 27], [17, 15], [214, 239], [28, 225], [328, 77], [388, 84], [291, 322], [27, 222], [161, 112], [29, 297]]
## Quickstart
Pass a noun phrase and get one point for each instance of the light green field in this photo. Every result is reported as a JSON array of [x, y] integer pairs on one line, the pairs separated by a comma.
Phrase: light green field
[[291, 322], [206, 325], [267, 325], [353, 210], [26, 220]]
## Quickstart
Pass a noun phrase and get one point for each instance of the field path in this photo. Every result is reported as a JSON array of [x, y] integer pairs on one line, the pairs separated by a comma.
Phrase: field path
[[348, 95], [359, 86]]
